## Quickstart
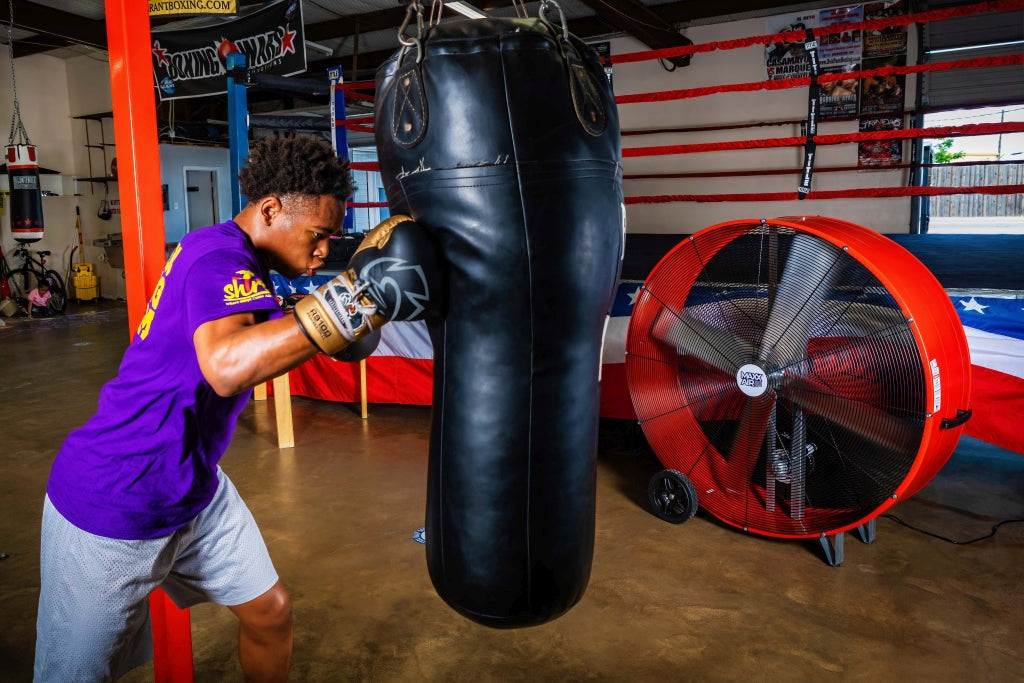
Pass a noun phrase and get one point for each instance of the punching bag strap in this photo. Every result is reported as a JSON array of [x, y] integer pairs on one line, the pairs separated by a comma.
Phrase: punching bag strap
[[586, 94], [409, 113]]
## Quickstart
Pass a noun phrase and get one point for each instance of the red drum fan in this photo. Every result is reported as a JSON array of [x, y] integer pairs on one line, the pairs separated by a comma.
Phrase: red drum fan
[[796, 376]]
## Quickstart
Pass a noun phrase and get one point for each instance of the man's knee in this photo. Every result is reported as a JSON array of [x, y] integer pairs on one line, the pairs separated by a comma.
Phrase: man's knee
[[271, 611]]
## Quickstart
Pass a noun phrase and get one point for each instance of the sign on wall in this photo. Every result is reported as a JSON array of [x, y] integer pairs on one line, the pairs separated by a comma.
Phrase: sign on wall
[[191, 62], [165, 8]]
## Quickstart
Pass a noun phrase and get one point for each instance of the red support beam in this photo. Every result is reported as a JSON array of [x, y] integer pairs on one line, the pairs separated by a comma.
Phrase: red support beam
[[142, 226]]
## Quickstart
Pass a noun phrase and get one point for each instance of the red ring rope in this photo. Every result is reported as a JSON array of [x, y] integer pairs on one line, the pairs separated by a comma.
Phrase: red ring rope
[[834, 139], [804, 81], [800, 36], [868, 192]]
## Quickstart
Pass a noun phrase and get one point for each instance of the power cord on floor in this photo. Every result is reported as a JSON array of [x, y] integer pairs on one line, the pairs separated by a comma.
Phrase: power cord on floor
[[950, 540]]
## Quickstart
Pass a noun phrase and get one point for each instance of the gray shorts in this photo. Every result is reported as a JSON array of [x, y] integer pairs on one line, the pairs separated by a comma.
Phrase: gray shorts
[[93, 620]]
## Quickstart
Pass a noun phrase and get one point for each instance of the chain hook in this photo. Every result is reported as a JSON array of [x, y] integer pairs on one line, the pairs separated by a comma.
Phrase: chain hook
[[542, 11], [414, 8], [436, 10]]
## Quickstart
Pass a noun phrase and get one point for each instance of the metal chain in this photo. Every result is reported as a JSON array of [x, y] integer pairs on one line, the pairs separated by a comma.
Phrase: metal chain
[[436, 10], [16, 125]]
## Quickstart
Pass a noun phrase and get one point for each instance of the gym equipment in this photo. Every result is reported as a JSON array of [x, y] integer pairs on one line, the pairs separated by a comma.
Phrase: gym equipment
[[800, 375], [500, 138], [26, 196], [22, 168]]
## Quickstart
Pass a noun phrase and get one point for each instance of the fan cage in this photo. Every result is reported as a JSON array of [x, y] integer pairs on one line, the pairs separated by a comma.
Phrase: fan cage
[[863, 359]]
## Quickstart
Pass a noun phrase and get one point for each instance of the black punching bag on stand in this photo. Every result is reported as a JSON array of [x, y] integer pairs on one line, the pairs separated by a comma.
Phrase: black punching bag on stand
[[500, 138]]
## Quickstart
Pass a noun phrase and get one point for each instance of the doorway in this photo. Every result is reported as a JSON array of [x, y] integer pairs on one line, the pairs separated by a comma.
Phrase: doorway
[[200, 197]]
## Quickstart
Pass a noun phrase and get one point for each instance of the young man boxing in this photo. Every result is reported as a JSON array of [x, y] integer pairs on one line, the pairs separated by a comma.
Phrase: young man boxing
[[136, 499]]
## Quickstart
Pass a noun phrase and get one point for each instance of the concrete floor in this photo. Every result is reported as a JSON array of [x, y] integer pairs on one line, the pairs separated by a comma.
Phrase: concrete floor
[[697, 601]]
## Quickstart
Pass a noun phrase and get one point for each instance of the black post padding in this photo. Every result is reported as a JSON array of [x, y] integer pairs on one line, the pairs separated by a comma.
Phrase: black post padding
[[503, 143], [813, 112]]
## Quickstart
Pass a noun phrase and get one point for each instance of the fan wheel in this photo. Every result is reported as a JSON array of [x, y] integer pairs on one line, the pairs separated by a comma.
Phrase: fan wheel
[[803, 373], [673, 496]]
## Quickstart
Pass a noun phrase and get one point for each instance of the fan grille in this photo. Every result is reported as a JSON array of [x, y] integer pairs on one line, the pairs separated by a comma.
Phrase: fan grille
[[782, 376]]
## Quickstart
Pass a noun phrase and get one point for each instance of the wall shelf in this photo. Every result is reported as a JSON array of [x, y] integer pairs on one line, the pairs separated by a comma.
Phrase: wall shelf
[[101, 145]]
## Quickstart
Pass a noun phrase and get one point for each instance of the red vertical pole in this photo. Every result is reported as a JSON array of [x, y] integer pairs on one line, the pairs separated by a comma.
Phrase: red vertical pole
[[142, 225]]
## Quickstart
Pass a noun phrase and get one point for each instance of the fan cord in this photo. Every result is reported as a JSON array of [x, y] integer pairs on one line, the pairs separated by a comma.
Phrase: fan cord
[[987, 536]]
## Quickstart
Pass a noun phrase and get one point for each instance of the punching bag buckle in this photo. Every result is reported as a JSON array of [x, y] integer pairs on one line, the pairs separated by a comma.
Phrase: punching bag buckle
[[586, 97]]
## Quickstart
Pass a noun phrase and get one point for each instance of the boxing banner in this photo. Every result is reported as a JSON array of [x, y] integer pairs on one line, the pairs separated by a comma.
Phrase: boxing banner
[[166, 8], [190, 62]]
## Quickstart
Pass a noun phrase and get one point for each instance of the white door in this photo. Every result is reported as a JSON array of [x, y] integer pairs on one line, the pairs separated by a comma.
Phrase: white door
[[200, 197]]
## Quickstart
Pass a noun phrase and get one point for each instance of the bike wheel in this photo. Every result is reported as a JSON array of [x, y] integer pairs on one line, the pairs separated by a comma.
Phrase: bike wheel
[[58, 292], [21, 281]]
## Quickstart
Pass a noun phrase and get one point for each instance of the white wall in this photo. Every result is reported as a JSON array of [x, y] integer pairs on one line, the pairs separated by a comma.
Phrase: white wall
[[743, 65]]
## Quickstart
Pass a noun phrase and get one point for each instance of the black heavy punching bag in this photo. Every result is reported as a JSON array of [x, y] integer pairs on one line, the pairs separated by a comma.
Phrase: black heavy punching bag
[[500, 138], [26, 196]]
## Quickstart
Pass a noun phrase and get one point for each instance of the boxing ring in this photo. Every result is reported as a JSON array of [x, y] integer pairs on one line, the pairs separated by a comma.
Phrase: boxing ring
[[135, 128]]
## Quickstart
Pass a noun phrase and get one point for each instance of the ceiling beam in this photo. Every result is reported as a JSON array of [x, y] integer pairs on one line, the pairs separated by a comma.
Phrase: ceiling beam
[[53, 28], [643, 23], [684, 11]]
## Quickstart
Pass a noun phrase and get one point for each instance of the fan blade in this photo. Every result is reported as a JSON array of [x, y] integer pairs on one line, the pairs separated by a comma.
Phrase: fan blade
[[746, 444], [808, 277], [887, 430], [718, 348]]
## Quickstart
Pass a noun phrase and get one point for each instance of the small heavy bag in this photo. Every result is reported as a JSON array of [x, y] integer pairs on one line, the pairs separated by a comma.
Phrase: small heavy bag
[[500, 138]]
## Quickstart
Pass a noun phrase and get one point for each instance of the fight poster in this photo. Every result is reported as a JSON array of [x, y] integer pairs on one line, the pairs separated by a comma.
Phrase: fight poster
[[839, 53], [883, 94], [788, 59], [190, 62], [890, 40], [879, 153]]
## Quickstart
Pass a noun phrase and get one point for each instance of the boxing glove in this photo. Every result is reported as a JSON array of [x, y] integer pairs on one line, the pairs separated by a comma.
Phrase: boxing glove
[[393, 275], [401, 268]]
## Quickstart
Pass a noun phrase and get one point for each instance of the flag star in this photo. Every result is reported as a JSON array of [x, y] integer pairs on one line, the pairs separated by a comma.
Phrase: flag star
[[311, 286], [973, 305], [633, 295]]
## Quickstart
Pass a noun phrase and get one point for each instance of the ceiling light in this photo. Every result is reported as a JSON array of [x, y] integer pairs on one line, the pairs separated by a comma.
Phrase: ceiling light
[[319, 48], [466, 9]]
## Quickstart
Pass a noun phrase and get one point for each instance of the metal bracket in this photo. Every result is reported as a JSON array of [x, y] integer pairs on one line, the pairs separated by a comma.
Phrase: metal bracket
[[834, 545]]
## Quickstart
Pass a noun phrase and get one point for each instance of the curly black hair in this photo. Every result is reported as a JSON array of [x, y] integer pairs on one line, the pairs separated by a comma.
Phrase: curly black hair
[[295, 165]]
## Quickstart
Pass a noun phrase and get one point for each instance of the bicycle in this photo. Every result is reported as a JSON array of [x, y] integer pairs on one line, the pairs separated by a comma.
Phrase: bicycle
[[24, 279]]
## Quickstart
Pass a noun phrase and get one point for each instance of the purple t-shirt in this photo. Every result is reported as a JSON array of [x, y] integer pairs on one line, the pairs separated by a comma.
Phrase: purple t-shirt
[[146, 463]]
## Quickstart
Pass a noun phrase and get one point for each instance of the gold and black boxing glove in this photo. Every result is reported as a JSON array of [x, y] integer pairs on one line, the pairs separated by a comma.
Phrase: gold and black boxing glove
[[394, 275], [338, 313]]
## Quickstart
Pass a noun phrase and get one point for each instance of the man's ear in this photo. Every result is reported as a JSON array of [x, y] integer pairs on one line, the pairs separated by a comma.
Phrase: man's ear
[[269, 207]]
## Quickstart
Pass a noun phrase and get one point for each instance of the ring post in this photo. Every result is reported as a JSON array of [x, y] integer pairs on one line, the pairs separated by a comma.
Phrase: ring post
[[131, 88]]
